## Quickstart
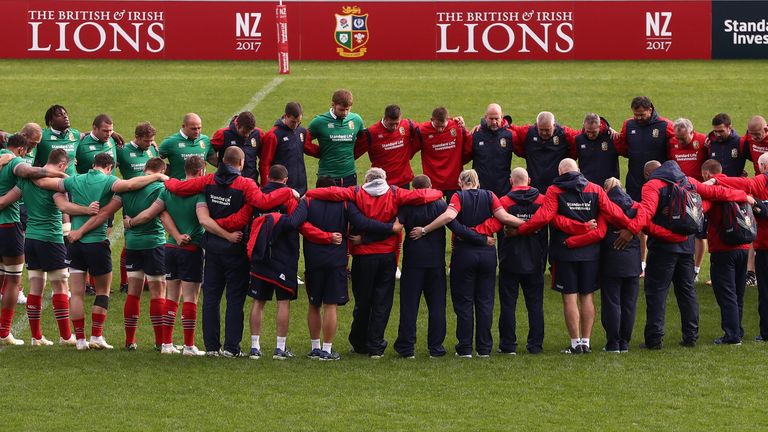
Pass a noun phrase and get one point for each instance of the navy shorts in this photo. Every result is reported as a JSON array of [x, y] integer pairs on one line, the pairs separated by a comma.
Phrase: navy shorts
[[45, 256], [95, 258], [11, 239], [264, 290], [183, 264], [575, 277], [327, 286], [150, 261]]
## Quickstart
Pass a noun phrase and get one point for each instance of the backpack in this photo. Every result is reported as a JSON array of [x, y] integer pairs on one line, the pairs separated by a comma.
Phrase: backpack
[[685, 215], [738, 224]]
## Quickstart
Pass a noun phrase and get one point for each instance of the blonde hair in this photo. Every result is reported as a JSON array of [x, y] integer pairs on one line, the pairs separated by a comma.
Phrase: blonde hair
[[610, 183], [469, 178]]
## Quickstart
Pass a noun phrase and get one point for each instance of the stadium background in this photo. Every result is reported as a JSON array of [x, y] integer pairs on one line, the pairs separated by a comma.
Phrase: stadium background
[[704, 388]]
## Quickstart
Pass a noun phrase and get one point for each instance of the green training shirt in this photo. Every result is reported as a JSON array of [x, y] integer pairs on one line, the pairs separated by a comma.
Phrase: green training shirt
[[177, 148], [51, 140], [182, 211], [131, 160], [84, 189], [8, 179], [87, 150], [43, 217], [336, 138], [151, 234]]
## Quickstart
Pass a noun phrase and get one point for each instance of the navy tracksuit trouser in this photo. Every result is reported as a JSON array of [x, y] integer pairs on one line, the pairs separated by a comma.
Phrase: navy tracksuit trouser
[[729, 278], [373, 285], [414, 282], [761, 271], [533, 293], [222, 272], [473, 280], [663, 268], [618, 300]]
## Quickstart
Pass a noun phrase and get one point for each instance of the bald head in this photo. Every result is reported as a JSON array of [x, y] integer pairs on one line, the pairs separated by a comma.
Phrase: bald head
[[756, 128], [493, 116], [33, 133], [192, 125], [762, 161], [234, 157], [567, 165], [519, 177], [650, 167]]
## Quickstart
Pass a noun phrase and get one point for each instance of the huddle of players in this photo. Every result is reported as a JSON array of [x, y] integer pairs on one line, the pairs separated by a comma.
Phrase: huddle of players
[[224, 205]]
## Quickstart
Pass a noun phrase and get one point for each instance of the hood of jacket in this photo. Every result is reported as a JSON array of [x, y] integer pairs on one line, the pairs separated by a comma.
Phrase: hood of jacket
[[572, 180]]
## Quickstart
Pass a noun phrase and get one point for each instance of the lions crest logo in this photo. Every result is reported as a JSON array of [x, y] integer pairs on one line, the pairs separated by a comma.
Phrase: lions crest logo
[[253, 142], [202, 144], [503, 143], [655, 133], [453, 132], [556, 140], [695, 145], [301, 136], [351, 32], [734, 153], [604, 146], [402, 130], [351, 124]]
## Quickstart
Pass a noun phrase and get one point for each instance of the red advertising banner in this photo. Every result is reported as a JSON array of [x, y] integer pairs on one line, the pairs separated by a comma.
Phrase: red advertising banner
[[376, 30]]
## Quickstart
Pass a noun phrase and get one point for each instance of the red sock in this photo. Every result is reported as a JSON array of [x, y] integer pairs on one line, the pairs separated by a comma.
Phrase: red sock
[[131, 316], [92, 282], [188, 320], [156, 316], [34, 306], [6, 318], [79, 325], [123, 271], [97, 323], [170, 309], [61, 313]]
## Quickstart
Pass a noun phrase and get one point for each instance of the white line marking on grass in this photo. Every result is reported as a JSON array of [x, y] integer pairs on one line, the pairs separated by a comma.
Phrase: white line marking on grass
[[259, 96]]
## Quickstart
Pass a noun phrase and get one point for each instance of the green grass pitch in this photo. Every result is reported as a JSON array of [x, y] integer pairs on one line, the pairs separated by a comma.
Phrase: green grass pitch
[[707, 387]]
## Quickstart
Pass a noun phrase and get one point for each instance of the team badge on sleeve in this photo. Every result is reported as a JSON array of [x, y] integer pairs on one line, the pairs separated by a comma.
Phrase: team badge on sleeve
[[655, 133], [351, 32]]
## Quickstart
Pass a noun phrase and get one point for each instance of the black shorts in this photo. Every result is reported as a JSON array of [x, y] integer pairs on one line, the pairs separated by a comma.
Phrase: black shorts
[[183, 264], [94, 258], [263, 290], [575, 277], [327, 286], [150, 261], [45, 256], [11, 240]]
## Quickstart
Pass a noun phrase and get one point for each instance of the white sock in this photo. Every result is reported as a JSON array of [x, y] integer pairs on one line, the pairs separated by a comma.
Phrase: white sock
[[281, 343], [575, 342], [315, 343], [585, 341], [642, 264], [327, 347], [696, 269], [255, 342]]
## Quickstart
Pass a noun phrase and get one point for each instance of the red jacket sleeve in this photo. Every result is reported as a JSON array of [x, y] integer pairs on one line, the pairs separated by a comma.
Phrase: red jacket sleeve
[[752, 186], [648, 206], [362, 143], [621, 141], [310, 148], [670, 130], [417, 196], [260, 200], [570, 138], [718, 193], [663, 234], [315, 234], [466, 146], [591, 237], [188, 187], [518, 143], [489, 227], [238, 220], [544, 214], [333, 193], [267, 154], [217, 140], [571, 226]]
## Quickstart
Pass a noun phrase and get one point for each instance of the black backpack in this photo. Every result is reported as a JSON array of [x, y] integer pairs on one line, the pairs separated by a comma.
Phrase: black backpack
[[738, 225], [684, 213]]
